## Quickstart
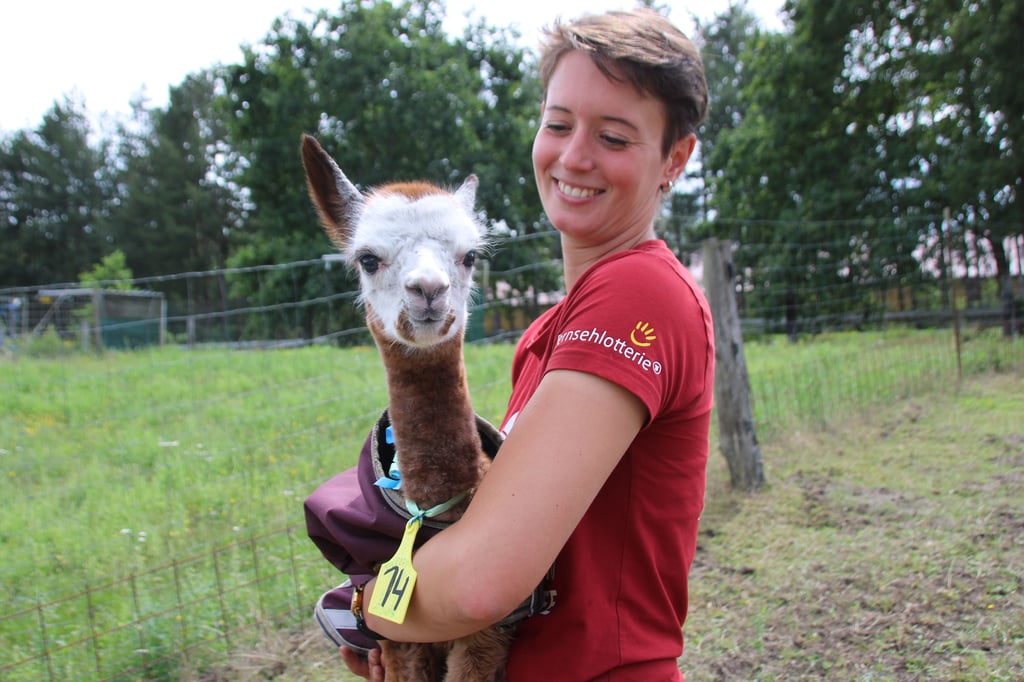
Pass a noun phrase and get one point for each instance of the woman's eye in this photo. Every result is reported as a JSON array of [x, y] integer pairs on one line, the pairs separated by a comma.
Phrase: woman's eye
[[469, 259], [556, 127], [369, 263], [613, 141]]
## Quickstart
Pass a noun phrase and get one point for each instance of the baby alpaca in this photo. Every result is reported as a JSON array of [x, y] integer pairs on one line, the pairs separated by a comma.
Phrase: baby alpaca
[[414, 245]]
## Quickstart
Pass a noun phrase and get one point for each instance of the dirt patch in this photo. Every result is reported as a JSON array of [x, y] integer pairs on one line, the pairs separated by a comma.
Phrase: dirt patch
[[882, 549], [828, 501]]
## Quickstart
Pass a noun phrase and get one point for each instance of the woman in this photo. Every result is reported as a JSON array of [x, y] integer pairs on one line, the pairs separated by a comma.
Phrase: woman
[[603, 468]]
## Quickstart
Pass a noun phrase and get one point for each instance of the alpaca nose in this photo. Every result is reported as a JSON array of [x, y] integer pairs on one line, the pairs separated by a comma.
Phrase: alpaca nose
[[427, 283], [427, 291]]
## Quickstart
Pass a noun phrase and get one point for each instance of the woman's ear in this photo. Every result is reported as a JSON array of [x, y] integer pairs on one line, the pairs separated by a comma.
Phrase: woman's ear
[[678, 156]]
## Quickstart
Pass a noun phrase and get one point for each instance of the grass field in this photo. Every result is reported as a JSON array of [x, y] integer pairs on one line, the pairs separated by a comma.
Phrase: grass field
[[152, 517], [153, 512]]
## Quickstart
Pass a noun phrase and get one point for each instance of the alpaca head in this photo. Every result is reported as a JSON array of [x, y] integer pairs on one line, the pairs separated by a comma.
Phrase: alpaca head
[[413, 244]]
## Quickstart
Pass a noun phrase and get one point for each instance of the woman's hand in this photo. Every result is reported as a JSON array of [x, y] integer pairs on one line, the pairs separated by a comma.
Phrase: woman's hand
[[369, 668]]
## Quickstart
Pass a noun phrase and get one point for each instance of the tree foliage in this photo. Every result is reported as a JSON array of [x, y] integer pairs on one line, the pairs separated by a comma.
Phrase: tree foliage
[[857, 128], [54, 191], [970, 118], [112, 272], [175, 200], [392, 97]]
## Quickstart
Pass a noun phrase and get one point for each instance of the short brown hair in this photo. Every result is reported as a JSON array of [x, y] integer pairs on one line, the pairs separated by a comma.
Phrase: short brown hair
[[640, 47]]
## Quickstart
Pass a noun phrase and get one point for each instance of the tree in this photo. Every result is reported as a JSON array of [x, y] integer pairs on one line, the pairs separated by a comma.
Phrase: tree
[[969, 120], [54, 192], [812, 181], [112, 272], [392, 97], [175, 198], [775, 171], [858, 128], [730, 39], [725, 41]]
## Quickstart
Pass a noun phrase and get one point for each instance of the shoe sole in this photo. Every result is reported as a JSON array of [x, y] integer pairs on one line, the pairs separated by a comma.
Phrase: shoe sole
[[329, 621]]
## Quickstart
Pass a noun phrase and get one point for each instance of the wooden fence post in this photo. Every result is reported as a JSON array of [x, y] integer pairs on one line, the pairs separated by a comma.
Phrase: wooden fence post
[[736, 433], [98, 302]]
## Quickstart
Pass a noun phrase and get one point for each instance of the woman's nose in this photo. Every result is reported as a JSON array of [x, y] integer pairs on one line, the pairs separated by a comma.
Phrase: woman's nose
[[576, 153]]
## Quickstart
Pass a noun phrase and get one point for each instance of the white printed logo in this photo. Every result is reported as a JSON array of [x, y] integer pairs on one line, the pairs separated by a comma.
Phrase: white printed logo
[[640, 337]]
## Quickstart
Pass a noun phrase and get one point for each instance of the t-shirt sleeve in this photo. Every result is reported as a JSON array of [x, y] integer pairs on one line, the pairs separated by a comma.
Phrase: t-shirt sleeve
[[639, 323]]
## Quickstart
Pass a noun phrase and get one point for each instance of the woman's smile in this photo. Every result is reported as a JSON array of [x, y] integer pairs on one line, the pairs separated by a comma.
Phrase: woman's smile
[[576, 192]]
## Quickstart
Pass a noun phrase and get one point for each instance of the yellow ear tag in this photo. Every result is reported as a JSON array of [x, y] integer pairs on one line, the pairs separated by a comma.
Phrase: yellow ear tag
[[397, 577]]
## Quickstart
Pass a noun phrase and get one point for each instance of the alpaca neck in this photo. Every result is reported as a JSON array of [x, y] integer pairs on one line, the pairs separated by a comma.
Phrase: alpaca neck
[[432, 418], [427, 382]]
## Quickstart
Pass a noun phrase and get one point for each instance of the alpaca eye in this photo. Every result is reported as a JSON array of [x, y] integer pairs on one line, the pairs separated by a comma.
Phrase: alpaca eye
[[369, 263], [469, 259]]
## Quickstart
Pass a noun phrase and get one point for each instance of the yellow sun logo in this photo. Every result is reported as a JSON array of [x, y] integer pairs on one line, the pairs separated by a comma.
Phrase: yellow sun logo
[[642, 335]]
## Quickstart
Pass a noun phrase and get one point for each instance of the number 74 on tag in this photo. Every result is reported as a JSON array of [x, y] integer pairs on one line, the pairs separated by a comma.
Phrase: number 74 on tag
[[397, 577]]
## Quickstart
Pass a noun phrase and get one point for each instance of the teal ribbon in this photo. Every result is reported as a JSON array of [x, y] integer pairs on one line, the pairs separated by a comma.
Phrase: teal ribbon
[[437, 509]]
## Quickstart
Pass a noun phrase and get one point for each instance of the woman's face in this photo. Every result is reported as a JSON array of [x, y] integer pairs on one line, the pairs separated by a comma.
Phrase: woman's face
[[597, 157]]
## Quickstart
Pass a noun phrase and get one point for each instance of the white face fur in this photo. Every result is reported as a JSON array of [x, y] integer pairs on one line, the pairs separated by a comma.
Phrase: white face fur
[[415, 260]]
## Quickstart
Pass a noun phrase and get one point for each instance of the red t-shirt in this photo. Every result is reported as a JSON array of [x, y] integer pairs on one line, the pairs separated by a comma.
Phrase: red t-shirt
[[639, 319]]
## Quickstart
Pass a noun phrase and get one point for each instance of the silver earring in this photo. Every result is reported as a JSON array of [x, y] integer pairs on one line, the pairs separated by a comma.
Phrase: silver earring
[[666, 186]]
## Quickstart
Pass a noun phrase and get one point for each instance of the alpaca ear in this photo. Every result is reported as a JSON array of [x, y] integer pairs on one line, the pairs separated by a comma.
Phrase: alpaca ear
[[466, 193], [336, 199]]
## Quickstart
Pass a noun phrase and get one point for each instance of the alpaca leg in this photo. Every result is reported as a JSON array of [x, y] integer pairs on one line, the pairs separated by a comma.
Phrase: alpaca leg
[[480, 657], [412, 662]]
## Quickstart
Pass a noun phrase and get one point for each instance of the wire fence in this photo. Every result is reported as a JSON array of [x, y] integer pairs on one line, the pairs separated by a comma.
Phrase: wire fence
[[153, 517], [217, 598], [844, 279]]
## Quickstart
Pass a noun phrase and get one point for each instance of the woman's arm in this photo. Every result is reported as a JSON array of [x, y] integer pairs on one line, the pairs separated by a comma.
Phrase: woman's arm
[[565, 443]]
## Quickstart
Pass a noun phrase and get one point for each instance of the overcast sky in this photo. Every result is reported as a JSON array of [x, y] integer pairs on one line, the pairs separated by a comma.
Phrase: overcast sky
[[110, 51]]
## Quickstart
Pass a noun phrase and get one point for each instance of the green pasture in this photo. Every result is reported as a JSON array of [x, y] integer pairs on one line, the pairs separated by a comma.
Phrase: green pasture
[[152, 524], [153, 499]]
